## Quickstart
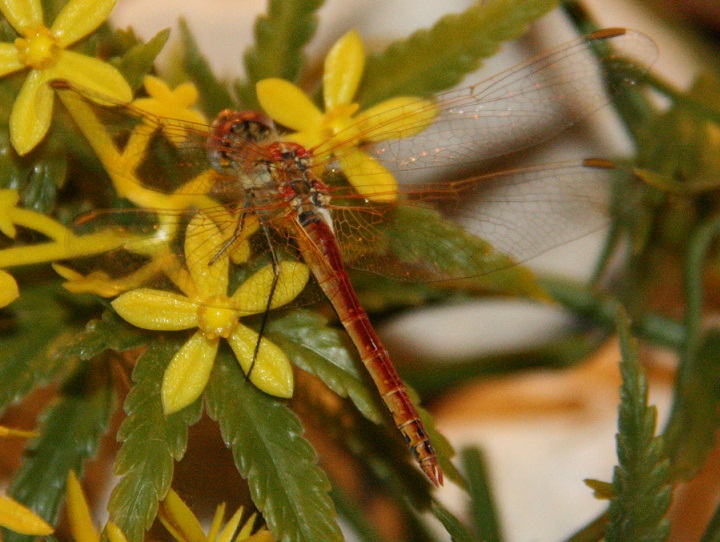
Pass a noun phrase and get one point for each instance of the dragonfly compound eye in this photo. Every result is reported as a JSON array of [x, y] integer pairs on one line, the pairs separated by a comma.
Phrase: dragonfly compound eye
[[235, 135]]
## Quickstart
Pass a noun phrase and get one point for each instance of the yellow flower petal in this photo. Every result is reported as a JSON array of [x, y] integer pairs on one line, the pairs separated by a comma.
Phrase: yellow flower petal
[[156, 309], [79, 18], [9, 291], [188, 372], [216, 522], [344, 65], [228, 532], [287, 104], [79, 516], [272, 372], [207, 265], [8, 201], [247, 526], [10, 432], [92, 74], [32, 112], [9, 59], [252, 295], [114, 533], [179, 520], [174, 104], [22, 14], [400, 117], [368, 176], [18, 518]]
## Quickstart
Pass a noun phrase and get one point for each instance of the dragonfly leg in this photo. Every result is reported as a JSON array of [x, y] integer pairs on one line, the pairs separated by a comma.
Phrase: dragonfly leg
[[275, 261]]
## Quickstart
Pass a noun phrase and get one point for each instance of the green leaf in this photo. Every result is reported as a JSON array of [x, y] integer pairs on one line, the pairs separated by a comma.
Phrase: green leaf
[[326, 353], [483, 508], [280, 37], [437, 58], [139, 59], [286, 484], [214, 96], [151, 441], [640, 481], [30, 327], [452, 525], [109, 333], [47, 174], [69, 434], [692, 429]]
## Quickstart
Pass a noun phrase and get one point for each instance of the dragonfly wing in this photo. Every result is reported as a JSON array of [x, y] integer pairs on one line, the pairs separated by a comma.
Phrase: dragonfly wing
[[521, 107], [478, 225]]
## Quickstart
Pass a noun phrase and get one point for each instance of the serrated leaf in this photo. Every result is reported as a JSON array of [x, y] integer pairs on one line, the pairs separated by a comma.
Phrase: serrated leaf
[[280, 37], [325, 352], [151, 442], [214, 96], [69, 434], [641, 491], [30, 327], [286, 484], [139, 59], [109, 333], [437, 58]]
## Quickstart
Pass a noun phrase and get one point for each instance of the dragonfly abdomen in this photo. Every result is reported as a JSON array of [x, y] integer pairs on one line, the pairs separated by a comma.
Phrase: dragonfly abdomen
[[321, 253]]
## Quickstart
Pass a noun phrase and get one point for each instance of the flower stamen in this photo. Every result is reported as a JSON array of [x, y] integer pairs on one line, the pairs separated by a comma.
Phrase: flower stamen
[[38, 48]]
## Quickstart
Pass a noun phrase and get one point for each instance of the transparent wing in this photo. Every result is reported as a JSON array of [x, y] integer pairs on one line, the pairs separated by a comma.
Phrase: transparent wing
[[478, 225], [523, 106]]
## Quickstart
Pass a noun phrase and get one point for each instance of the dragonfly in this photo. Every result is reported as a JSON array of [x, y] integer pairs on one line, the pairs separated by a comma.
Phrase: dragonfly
[[302, 209]]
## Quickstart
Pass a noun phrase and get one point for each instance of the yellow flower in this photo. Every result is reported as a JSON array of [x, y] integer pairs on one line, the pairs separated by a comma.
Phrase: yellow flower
[[207, 306], [166, 102], [44, 51], [339, 131], [182, 524], [18, 518], [80, 518], [9, 291]]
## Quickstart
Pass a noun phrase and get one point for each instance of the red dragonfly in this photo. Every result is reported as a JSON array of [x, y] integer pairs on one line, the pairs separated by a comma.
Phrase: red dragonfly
[[328, 225]]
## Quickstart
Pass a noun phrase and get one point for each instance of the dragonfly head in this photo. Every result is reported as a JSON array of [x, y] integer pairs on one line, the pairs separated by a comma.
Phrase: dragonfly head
[[235, 139]]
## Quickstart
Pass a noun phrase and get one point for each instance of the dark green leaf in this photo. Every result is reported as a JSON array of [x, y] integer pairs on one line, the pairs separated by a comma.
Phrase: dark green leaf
[[214, 96], [437, 58], [30, 327], [109, 333], [326, 353], [692, 429], [139, 60], [286, 484], [641, 491], [47, 174], [452, 525], [483, 508], [69, 434], [151, 442], [280, 37]]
